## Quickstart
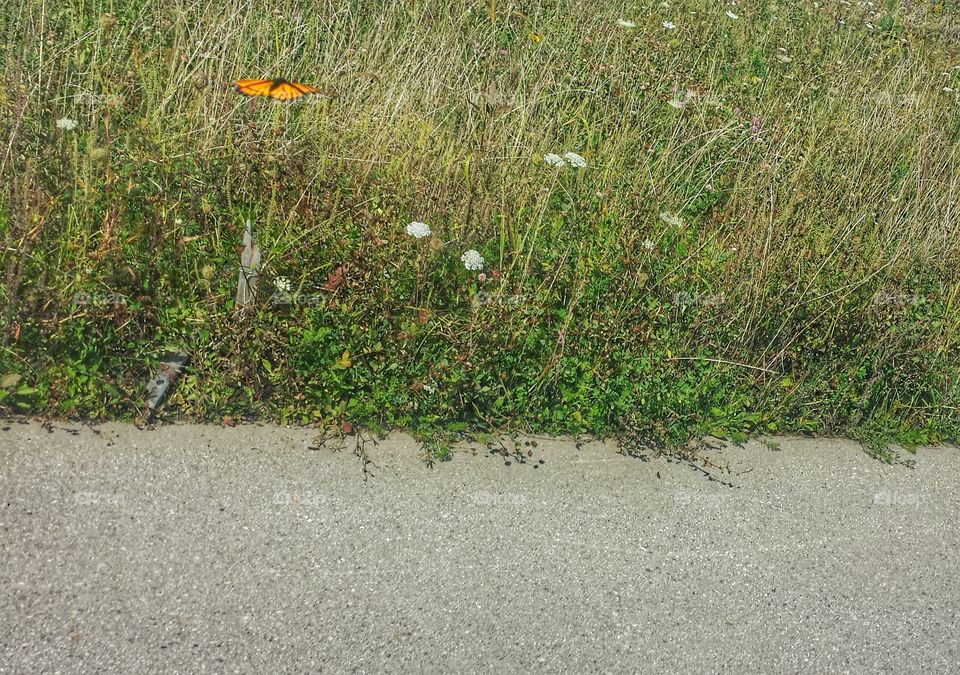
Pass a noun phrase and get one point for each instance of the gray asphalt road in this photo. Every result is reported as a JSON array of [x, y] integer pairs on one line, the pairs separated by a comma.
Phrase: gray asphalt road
[[191, 548]]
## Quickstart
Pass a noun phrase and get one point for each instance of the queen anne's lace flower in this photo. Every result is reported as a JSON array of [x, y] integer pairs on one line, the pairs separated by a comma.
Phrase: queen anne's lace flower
[[554, 160], [472, 260], [419, 230], [681, 99], [568, 159], [66, 124], [671, 219]]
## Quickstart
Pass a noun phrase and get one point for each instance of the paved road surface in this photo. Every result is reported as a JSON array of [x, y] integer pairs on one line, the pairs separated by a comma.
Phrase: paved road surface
[[200, 549]]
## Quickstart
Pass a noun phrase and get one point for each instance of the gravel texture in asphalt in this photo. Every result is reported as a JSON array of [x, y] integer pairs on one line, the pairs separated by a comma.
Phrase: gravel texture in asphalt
[[196, 548]]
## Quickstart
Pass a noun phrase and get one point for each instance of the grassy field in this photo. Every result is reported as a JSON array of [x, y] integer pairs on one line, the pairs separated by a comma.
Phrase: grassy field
[[764, 238]]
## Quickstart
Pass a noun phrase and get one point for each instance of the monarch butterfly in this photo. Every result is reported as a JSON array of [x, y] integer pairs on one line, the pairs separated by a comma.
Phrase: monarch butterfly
[[279, 90]]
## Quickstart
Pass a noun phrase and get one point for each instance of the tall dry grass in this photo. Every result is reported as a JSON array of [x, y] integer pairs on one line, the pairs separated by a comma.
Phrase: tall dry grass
[[810, 156]]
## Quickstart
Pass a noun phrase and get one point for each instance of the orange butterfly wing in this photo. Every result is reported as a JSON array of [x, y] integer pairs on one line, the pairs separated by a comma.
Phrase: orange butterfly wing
[[288, 91], [252, 87], [279, 90]]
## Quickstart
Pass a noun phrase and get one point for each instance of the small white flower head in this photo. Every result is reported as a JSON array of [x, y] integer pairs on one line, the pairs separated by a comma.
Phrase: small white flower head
[[472, 260], [625, 23], [681, 99], [66, 124], [669, 25], [732, 15], [571, 159], [283, 284], [647, 244], [554, 160], [419, 230], [671, 219]]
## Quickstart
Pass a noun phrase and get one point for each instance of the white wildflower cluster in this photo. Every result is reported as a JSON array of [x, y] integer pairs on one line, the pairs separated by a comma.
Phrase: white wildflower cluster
[[472, 260], [66, 124], [419, 230], [571, 159], [682, 99], [671, 219], [283, 284]]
